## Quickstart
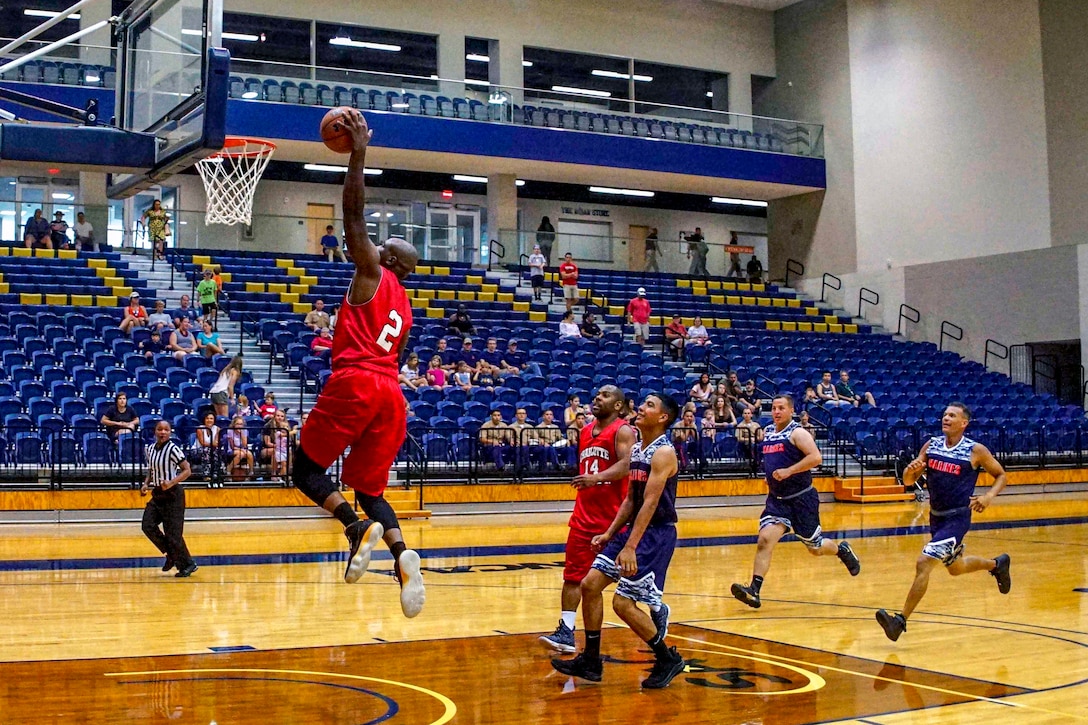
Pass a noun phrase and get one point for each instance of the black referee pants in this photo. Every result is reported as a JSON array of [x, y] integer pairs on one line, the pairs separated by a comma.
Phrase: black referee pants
[[168, 509]]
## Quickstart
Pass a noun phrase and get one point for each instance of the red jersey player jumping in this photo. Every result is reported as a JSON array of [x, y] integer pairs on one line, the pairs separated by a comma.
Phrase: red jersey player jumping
[[604, 456], [361, 406]]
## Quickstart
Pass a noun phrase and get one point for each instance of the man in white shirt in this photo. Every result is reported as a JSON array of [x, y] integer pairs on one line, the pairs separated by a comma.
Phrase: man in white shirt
[[84, 234], [537, 262]]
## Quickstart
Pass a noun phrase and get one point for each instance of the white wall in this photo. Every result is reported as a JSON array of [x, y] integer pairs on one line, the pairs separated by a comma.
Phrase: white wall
[[950, 157]]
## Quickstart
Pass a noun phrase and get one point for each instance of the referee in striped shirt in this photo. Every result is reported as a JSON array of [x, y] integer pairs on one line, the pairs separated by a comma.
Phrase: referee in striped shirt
[[166, 469]]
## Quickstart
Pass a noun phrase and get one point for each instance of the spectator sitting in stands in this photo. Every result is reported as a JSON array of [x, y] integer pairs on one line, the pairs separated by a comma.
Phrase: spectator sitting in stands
[[755, 270], [632, 411], [708, 428], [806, 423], [330, 245], [721, 390], [322, 343], [449, 357], [317, 318], [236, 449], [574, 407], [749, 398], [208, 340], [135, 314], [152, 346], [749, 434], [514, 362], [567, 328], [37, 231], [186, 310], [84, 232], [268, 408], [243, 407], [436, 375], [809, 399], [574, 429], [410, 374], [697, 334], [463, 377], [638, 314], [275, 439], [492, 356], [685, 438], [159, 320], [494, 437], [58, 232], [520, 430], [590, 329], [483, 377], [119, 417], [182, 342], [825, 391], [723, 414], [702, 390], [735, 390], [460, 323], [207, 444], [542, 440], [847, 392], [676, 335], [467, 355]]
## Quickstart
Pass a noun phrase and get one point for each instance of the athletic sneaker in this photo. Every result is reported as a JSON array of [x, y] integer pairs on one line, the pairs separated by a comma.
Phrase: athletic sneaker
[[580, 666], [664, 671], [661, 620], [849, 558], [893, 625], [363, 536], [1001, 573], [561, 640], [746, 595], [412, 592], [169, 563], [187, 571]]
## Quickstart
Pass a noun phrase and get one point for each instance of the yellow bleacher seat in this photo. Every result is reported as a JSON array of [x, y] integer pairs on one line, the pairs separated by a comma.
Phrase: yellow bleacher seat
[[423, 269], [20, 252], [440, 271], [466, 295], [831, 319], [804, 327], [96, 263], [201, 259], [717, 299], [112, 282], [763, 301], [425, 294], [226, 277], [485, 296], [774, 325], [299, 289], [277, 287], [80, 300], [447, 294], [435, 312], [254, 286], [812, 311], [819, 327], [852, 329], [307, 279], [285, 263], [687, 321], [295, 271], [793, 303], [507, 297], [729, 286], [537, 316], [616, 310], [6, 252], [731, 300], [289, 297], [789, 326], [103, 272], [759, 287], [747, 300], [123, 292], [778, 302], [56, 299], [474, 279], [744, 287], [714, 284], [105, 301], [834, 328], [66, 253], [521, 307], [300, 308], [489, 287], [698, 290], [655, 320], [30, 299], [420, 304], [723, 324], [683, 283], [4, 288]]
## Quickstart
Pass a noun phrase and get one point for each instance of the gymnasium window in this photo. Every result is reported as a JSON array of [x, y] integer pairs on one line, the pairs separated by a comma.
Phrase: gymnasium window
[[267, 46], [20, 16], [356, 48]]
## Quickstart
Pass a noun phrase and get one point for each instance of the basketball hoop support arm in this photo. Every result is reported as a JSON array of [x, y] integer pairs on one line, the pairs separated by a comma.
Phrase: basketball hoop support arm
[[35, 32], [46, 49], [87, 116]]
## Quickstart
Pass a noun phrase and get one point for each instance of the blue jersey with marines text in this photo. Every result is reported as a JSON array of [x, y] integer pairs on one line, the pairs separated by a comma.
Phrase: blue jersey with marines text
[[779, 452], [641, 456], [950, 475]]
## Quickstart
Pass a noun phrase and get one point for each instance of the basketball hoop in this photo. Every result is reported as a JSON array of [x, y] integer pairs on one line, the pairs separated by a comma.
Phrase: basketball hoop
[[230, 178]]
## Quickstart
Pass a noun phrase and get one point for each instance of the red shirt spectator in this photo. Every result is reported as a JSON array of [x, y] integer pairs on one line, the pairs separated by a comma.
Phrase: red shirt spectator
[[322, 342], [268, 408], [568, 272], [639, 310]]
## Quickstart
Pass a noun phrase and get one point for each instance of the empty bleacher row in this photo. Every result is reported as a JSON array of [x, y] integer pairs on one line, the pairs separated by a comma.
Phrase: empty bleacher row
[[61, 277], [63, 73]]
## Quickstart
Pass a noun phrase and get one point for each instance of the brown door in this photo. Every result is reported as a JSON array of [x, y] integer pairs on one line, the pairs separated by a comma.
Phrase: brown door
[[319, 216], [636, 247]]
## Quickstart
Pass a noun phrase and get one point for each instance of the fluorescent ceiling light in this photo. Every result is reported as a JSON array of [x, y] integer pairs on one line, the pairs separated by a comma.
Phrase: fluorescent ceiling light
[[48, 14], [526, 64], [244, 37], [738, 202], [471, 82], [478, 58], [7, 212], [339, 169], [620, 192], [470, 179], [62, 196], [582, 91], [519, 182], [621, 76], [92, 78], [374, 214], [710, 94], [249, 95], [348, 42]]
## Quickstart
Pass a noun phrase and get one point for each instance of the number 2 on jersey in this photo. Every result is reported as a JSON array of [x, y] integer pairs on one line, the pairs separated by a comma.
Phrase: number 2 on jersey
[[391, 331]]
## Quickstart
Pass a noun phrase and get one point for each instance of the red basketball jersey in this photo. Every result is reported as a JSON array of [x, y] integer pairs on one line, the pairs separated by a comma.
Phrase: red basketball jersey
[[596, 506], [368, 336]]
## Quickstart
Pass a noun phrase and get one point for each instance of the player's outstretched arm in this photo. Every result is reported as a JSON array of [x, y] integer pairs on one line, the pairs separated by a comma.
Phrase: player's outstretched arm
[[982, 458], [363, 252], [625, 439], [915, 468]]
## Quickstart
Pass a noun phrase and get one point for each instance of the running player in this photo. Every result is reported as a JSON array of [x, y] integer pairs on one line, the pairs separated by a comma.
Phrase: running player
[[361, 406], [789, 455], [604, 456], [951, 462], [636, 551]]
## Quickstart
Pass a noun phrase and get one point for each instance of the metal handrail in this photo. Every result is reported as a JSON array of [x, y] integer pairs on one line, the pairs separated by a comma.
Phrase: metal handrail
[[491, 253], [794, 266], [946, 326], [872, 299], [1001, 353], [825, 284], [904, 316]]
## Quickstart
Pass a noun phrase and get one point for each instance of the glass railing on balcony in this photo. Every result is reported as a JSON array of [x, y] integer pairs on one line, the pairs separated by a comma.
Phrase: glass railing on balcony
[[469, 100]]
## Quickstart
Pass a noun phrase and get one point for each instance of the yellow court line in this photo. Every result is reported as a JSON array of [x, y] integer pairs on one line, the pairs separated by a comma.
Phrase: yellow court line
[[447, 703], [932, 688]]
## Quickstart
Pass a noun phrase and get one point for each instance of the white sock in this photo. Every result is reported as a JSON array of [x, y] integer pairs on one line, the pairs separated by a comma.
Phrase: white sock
[[568, 619], [655, 608]]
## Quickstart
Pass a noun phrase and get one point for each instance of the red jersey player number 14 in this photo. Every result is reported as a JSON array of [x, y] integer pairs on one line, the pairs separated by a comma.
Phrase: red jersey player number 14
[[596, 506]]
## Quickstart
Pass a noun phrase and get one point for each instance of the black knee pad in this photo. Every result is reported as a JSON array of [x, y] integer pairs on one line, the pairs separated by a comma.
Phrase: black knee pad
[[311, 479], [378, 509]]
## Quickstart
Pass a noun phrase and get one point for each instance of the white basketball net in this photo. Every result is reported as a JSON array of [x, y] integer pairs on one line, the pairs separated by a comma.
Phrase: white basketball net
[[230, 179]]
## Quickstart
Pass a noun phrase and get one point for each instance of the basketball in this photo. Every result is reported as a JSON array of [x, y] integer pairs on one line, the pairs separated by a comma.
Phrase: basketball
[[335, 135]]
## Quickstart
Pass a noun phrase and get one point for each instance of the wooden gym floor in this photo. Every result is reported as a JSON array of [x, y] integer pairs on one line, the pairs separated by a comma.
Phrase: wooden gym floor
[[266, 631]]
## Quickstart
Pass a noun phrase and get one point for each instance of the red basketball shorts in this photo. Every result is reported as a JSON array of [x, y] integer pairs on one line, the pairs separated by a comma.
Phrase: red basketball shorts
[[579, 556], [364, 411]]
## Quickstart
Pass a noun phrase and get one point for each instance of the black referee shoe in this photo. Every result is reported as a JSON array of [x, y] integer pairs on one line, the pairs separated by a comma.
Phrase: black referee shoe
[[187, 571], [169, 564]]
